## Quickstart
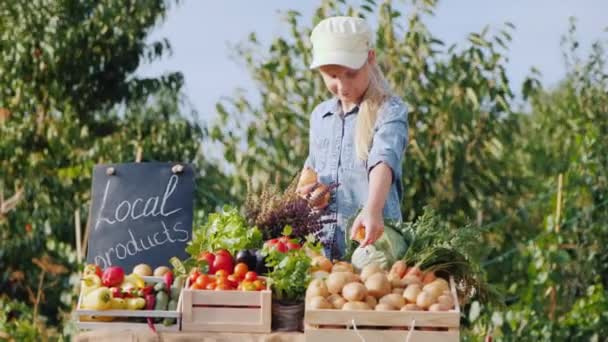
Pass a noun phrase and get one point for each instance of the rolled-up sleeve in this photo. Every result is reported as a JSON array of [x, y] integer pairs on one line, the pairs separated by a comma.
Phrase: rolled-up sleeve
[[389, 141]]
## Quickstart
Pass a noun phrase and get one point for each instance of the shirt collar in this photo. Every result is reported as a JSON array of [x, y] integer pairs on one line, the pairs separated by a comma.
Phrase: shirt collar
[[335, 107]]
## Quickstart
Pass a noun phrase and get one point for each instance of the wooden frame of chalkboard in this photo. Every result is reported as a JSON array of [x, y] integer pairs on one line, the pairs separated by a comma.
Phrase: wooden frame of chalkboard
[[140, 213]]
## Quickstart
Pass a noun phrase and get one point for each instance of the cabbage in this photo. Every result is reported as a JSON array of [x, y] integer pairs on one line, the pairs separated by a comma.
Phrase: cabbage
[[389, 248]]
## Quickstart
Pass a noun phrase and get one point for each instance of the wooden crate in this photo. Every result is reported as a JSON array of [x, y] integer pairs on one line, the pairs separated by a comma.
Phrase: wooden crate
[[383, 326], [121, 324], [226, 311]]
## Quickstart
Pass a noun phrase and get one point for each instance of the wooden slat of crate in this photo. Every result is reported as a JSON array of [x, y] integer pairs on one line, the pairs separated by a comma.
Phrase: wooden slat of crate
[[125, 326], [447, 319], [226, 319], [335, 335]]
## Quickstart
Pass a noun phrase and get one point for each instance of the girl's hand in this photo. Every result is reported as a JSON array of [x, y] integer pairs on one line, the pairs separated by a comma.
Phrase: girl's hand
[[373, 224], [306, 190]]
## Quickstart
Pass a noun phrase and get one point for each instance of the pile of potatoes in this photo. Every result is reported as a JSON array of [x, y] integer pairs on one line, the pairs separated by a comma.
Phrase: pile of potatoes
[[375, 289]]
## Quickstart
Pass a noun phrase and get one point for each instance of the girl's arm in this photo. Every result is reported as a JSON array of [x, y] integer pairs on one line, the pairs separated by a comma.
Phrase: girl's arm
[[380, 179]]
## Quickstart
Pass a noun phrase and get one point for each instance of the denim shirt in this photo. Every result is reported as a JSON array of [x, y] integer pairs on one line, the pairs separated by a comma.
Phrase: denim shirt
[[333, 155]]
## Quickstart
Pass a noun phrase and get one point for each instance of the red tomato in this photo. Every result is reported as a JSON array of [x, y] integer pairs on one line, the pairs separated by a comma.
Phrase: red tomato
[[251, 276], [223, 262], [271, 242], [193, 275], [210, 286], [292, 245], [233, 280], [113, 276], [240, 270], [202, 281]]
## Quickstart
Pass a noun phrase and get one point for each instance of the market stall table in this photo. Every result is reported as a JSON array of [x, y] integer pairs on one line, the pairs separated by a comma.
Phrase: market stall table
[[145, 335]]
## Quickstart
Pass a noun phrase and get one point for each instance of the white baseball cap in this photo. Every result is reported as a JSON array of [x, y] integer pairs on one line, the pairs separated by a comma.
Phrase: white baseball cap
[[343, 41]]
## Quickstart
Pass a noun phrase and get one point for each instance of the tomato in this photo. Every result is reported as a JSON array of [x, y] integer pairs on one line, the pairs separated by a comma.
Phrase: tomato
[[92, 269], [240, 270], [210, 286], [112, 276], [284, 239], [259, 284], [193, 275], [251, 276], [281, 247], [223, 262], [233, 280], [221, 273], [248, 286], [202, 281], [292, 245]]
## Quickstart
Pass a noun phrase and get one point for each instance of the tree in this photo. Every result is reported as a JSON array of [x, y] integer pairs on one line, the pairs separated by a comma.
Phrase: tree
[[69, 100]]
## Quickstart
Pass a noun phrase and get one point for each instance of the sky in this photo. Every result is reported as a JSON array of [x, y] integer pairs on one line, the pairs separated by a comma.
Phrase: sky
[[202, 32]]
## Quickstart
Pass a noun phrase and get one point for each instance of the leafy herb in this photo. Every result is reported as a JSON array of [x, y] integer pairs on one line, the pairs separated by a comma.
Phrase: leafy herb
[[290, 272], [272, 210], [226, 229]]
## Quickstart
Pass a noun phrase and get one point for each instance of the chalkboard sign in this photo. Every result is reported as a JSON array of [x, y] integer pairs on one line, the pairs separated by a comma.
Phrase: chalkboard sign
[[140, 213]]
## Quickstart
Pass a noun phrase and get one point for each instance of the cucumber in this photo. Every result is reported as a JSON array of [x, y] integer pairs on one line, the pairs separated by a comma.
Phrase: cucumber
[[171, 307], [160, 287], [177, 286], [162, 300]]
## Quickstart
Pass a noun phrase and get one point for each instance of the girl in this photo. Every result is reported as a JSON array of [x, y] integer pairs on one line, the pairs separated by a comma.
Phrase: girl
[[358, 137]]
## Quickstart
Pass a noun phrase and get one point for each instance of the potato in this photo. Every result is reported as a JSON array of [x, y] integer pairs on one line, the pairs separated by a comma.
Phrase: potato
[[317, 287], [371, 301], [411, 279], [393, 299], [446, 301], [384, 307], [378, 285], [143, 270], [356, 306], [336, 301], [428, 278], [161, 270], [436, 287], [399, 268], [336, 281], [438, 307], [398, 290], [307, 177], [342, 266], [368, 270], [318, 302], [411, 293], [411, 307], [354, 292], [320, 275], [321, 263], [424, 300]]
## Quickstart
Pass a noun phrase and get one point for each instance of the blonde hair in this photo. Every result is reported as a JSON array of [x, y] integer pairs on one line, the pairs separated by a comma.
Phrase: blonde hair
[[376, 94]]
